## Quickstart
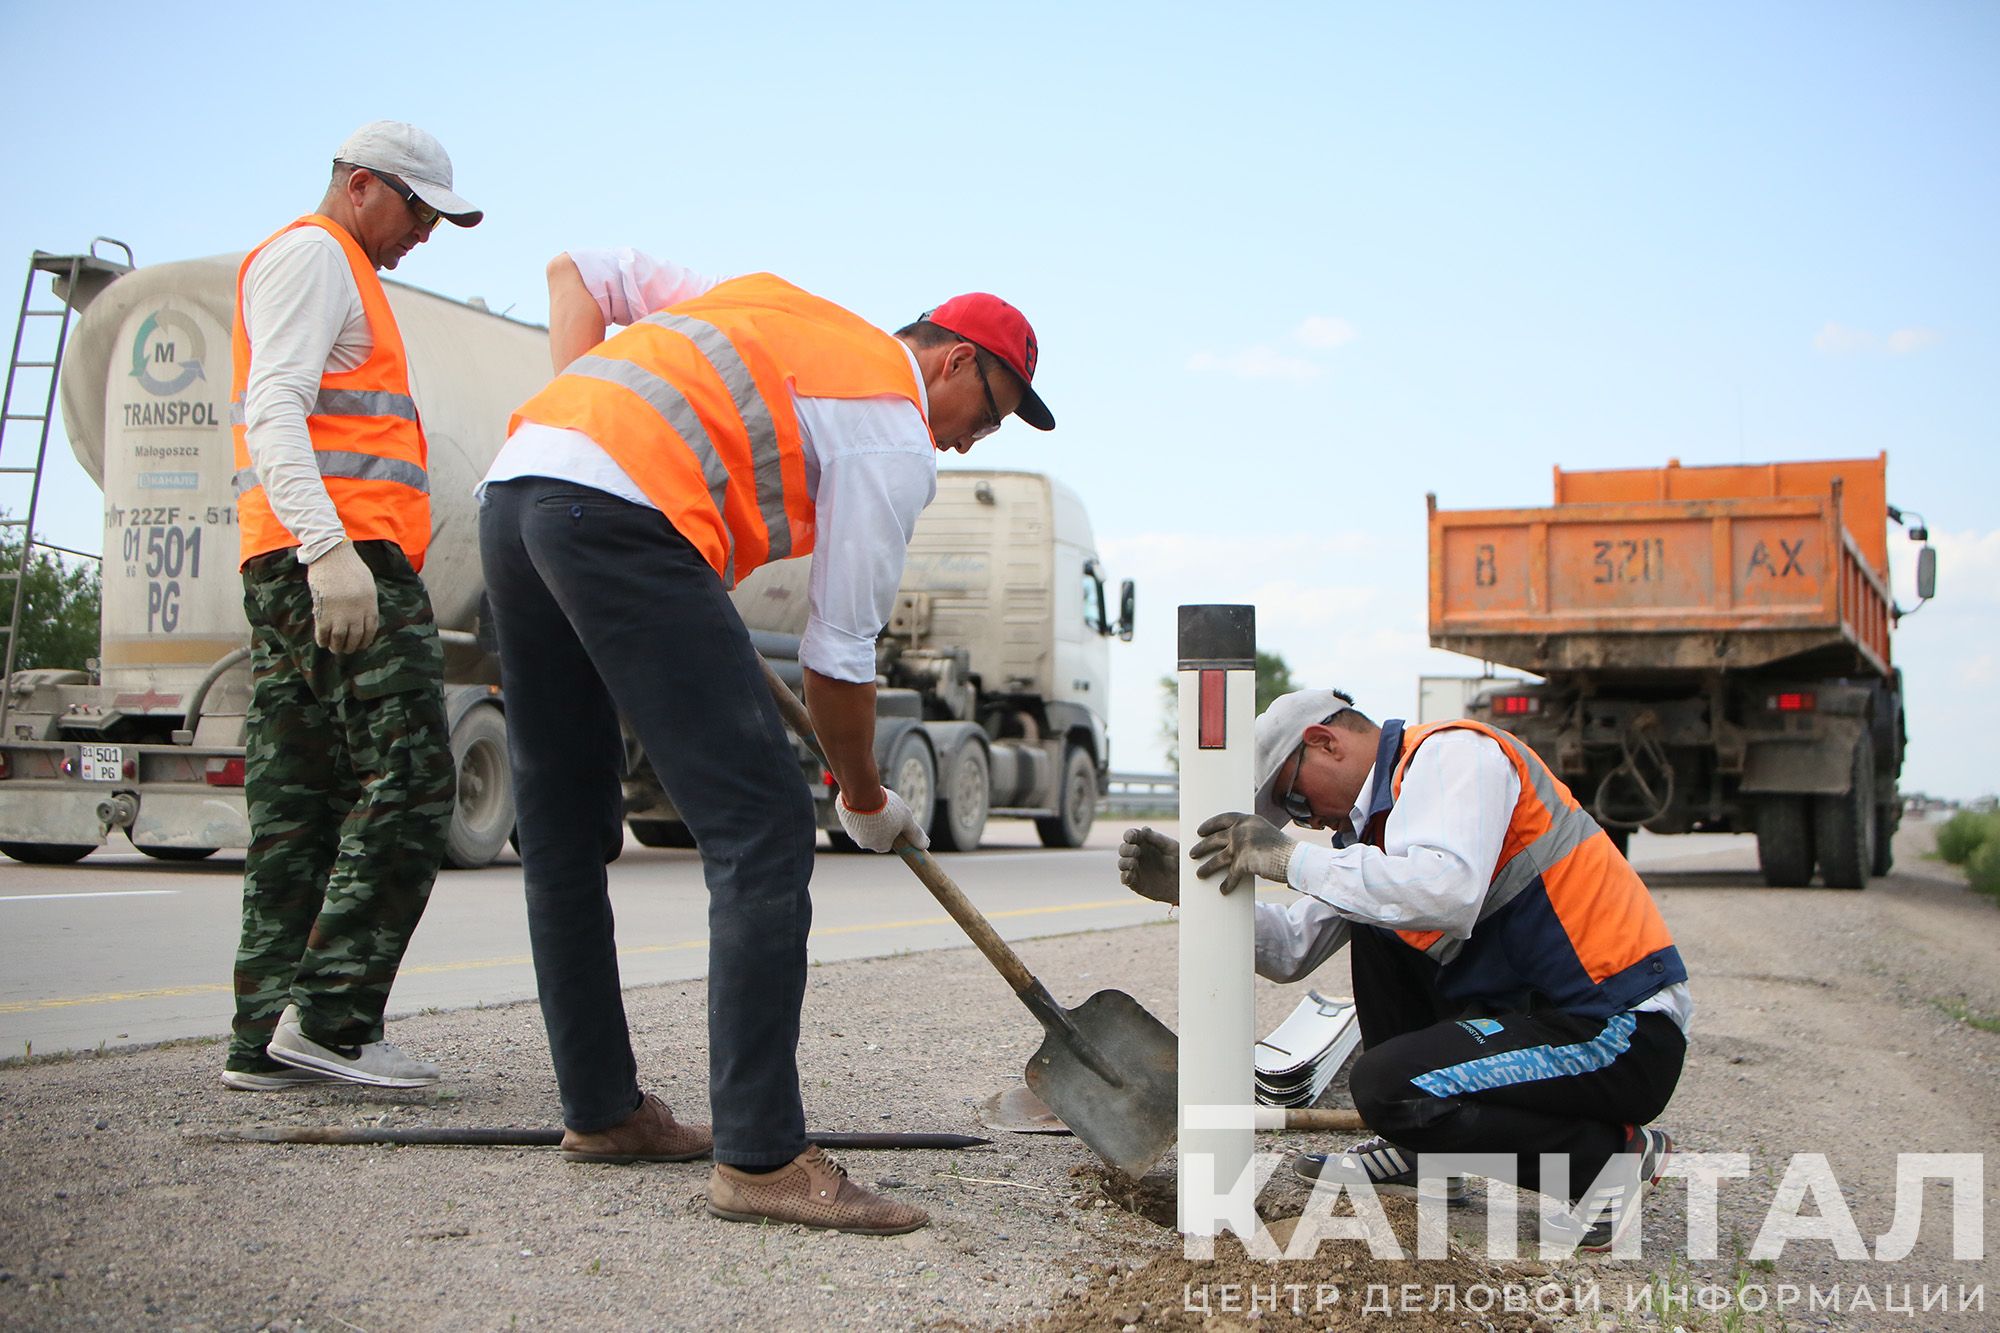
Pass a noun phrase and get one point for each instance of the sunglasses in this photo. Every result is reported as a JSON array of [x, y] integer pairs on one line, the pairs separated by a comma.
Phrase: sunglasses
[[1295, 806], [993, 416], [425, 215]]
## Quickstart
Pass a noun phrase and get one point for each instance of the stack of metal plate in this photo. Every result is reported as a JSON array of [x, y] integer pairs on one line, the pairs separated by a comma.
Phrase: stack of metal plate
[[1301, 1056]]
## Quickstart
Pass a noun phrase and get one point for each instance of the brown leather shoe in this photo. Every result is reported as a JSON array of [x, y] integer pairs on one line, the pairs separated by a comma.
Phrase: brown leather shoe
[[649, 1134], [812, 1190]]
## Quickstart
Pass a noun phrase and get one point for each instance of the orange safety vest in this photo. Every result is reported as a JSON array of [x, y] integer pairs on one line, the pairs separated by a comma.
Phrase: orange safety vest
[[365, 433], [694, 403], [1566, 921]]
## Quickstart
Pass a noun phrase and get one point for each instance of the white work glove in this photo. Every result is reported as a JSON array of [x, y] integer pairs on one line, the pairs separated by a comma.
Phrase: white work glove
[[343, 600], [877, 829], [1239, 847], [1148, 864]]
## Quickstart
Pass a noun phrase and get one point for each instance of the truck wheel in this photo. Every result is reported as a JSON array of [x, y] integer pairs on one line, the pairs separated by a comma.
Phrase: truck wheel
[[1621, 838], [967, 795], [1785, 841], [47, 853], [179, 853], [1076, 802], [661, 832], [1844, 826], [483, 815], [1886, 822]]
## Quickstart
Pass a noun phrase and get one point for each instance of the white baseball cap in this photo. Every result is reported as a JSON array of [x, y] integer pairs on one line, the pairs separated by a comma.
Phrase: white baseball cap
[[1279, 730], [414, 157]]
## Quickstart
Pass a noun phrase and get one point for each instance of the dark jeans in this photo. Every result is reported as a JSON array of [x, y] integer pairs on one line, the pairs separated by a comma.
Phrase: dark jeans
[[1431, 1080], [603, 609]]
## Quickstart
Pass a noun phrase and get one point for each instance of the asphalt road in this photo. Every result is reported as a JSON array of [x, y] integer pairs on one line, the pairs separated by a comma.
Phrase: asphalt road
[[120, 949]]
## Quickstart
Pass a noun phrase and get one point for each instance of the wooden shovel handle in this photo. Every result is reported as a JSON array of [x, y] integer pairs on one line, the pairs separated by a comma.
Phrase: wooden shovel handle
[[926, 867]]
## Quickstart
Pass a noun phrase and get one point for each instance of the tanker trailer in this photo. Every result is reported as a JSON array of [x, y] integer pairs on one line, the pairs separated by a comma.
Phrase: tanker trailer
[[148, 739]]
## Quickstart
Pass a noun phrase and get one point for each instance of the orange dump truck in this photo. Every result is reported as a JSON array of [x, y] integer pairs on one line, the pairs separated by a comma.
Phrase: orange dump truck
[[1714, 648]]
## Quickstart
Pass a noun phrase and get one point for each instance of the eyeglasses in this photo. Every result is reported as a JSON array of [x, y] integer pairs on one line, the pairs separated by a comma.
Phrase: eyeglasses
[[1295, 805], [425, 215], [993, 415]]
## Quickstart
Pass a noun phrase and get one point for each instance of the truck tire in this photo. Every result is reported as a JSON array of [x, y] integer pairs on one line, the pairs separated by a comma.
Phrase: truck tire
[[1076, 802], [179, 853], [1844, 826], [912, 775], [1885, 837], [483, 815], [1785, 841], [1621, 838], [661, 832], [47, 853], [964, 799]]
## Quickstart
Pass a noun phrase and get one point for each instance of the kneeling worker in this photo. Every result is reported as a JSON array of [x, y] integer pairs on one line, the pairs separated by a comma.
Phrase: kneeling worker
[[1517, 989]]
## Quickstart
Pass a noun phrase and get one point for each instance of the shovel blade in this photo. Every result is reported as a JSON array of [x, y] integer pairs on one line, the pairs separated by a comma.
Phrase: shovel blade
[[1131, 1123]]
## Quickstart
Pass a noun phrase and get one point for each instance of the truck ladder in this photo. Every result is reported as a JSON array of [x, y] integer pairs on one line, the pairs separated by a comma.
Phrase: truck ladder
[[65, 273]]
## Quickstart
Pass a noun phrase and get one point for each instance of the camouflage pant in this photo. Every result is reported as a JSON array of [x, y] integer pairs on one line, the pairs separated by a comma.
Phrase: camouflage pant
[[349, 777]]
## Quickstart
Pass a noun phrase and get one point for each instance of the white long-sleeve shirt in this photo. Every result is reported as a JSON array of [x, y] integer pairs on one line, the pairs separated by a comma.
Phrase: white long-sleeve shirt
[[303, 315], [1440, 849], [871, 467]]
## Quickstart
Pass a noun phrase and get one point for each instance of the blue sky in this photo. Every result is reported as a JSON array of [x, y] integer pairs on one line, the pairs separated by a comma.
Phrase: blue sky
[[1291, 267]]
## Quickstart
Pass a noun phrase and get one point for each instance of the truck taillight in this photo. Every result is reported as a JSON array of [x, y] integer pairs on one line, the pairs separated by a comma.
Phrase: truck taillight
[[1516, 705], [1792, 701], [826, 777], [224, 773]]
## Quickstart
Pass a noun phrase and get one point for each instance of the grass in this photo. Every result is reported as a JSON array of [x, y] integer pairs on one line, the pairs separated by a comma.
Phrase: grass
[[1969, 1016], [1973, 841]]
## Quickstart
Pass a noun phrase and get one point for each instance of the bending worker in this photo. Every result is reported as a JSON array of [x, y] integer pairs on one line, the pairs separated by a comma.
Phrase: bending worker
[[730, 424], [1517, 990], [347, 760]]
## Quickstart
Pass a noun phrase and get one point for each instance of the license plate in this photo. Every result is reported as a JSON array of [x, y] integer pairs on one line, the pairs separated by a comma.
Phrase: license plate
[[102, 763]]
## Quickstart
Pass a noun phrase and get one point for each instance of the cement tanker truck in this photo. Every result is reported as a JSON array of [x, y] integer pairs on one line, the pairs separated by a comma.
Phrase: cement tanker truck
[[999, 642]]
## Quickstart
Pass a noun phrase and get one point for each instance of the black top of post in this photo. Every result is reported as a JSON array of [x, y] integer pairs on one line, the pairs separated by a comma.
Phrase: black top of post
[[1218, 637]]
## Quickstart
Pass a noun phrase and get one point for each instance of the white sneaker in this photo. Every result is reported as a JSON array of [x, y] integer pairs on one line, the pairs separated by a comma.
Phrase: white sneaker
[[379, 1064], [273, 1080]]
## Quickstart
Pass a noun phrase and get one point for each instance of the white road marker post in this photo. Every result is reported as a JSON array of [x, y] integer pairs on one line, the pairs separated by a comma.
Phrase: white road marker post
[[1218, 1030]]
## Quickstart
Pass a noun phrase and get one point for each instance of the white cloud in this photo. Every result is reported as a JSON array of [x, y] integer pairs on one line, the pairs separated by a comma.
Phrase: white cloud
[[1840, 340], [1259, 362], [1325, 331], [1837, 339]]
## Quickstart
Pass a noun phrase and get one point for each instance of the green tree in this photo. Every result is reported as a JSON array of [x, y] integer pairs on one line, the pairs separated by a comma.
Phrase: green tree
[[59, 617], [1273, 679]]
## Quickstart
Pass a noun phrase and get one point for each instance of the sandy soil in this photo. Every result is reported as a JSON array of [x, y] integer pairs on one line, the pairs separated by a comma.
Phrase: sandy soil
[[1830, 1023]]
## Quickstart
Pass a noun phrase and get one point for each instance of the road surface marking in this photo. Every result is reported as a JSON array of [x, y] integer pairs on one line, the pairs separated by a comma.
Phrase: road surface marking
[[522, 960], [110, 893]]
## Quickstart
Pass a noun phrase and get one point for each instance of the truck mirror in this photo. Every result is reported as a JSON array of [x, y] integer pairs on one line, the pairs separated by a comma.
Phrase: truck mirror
[[1127, 599], [1926, 573]]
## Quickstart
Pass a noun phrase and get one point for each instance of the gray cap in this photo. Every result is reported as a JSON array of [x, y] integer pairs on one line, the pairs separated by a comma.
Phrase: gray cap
[[1280, 728], [414, 157]]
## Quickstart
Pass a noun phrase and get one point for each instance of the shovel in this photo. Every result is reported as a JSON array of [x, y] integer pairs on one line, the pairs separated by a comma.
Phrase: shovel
[[1108, 1068]]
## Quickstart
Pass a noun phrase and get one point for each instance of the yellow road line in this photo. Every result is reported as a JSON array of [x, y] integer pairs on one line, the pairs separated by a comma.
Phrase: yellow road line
[[522, 960]]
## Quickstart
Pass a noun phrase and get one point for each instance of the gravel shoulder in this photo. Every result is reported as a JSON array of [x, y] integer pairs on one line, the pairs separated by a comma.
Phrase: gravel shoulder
[[1828, 1022]]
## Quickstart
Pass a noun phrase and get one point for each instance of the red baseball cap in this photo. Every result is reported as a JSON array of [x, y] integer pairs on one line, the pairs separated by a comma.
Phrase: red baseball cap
[[989, 322]]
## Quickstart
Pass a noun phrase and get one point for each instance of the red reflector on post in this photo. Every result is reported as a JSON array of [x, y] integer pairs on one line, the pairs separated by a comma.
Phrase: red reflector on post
[[1213, 731], [1516, 705], [1793, 701], [224, 773]]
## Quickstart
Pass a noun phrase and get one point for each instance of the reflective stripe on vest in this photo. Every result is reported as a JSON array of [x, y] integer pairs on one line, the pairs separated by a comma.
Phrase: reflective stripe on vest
[[367, 437], [702, 419]]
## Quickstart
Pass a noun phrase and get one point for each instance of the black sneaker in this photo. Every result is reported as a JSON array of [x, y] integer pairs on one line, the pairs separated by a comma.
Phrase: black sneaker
[[1383, 1165], [1622, 1213]]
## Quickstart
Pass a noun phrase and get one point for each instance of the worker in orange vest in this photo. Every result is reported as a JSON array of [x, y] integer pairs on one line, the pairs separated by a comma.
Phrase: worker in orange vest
[[729, 424], [347, 759], [1518, 991]]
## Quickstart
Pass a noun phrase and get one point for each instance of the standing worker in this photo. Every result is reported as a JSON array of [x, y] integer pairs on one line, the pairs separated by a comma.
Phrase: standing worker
[[732, 423], [347, 763], [1517, 989]]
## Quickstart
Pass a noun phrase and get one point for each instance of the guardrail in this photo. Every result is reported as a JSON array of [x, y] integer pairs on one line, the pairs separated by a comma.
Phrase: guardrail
[[1141, 793]]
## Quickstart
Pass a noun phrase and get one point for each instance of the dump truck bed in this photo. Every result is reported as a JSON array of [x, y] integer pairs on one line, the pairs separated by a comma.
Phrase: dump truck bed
[[1659, 585]]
